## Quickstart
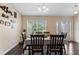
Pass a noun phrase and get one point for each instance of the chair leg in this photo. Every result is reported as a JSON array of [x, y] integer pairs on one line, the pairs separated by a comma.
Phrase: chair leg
[[47, 51], [55, 53], [23, 51], [42, 52], [32, 53], [50, 52], [64, 49], [61, 52], [58, 53]]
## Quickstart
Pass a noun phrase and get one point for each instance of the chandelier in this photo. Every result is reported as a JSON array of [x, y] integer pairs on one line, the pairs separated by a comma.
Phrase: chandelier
[[43, 8]]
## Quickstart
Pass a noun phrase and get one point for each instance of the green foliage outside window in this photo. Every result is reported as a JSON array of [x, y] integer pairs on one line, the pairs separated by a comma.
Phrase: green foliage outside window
[[36, 27]]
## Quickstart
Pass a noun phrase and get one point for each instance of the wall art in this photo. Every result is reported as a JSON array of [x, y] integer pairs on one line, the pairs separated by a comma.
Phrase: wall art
[[1, 22], [7, 23], [15, 15], [3, 15], [6, 10]]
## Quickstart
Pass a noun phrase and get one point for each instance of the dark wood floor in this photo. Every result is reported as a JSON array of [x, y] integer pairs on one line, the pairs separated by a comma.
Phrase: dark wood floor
[[72, 48], [18, 50]]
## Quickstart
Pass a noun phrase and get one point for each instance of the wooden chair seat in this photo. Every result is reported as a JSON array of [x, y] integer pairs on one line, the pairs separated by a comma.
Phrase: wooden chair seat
[[37, 49], [55, 49]]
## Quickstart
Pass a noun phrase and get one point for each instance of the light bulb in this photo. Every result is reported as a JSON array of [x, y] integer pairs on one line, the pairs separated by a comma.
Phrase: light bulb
[[75, 12], [39, 9], [44, 7], [45, 10]]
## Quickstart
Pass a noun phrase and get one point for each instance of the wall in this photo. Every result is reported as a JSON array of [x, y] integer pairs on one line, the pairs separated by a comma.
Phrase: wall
[[9, 37], [51, 22], [76, 28]]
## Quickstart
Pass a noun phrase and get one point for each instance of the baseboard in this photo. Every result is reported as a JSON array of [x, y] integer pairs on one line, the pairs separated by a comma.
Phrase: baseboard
[[9, 49], [69, 40], [76, 41]]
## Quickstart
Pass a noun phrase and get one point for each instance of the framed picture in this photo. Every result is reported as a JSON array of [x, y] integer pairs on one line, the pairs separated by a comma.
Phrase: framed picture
[[12, 21], [4, 15], [1, 22], [7, 23], [12, 26], [15, 15]]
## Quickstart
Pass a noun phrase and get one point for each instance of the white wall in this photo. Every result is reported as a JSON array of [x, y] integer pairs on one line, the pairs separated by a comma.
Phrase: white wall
[[9, 37], [76, 28]]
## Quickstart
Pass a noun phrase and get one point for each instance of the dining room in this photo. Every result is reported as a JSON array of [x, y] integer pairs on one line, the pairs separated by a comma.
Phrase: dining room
[[47, 26], [39, 28]]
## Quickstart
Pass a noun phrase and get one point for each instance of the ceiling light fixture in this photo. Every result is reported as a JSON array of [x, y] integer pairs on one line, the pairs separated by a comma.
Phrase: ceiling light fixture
[[76, 11], [43, 8]]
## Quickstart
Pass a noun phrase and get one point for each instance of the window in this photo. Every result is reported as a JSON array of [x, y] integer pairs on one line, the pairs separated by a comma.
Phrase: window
[[34, 26], [65, 27]]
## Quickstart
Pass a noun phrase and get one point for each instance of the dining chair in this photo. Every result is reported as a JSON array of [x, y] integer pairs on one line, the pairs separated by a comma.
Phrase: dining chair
[[39, 33], [65, 36], [37, 42], [24, 37], [56, 44]]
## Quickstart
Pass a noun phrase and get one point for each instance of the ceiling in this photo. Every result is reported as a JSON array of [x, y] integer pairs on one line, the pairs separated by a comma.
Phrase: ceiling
[[55, 9]]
